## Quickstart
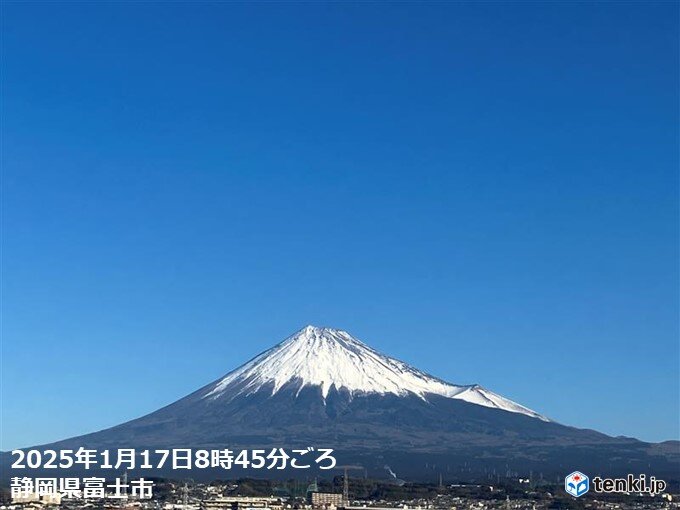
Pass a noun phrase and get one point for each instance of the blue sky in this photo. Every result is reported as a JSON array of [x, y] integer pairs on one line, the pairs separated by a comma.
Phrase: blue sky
[[487, 191]]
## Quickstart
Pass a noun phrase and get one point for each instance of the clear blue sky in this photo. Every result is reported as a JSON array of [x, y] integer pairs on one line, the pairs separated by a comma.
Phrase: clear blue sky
[[487, 191]]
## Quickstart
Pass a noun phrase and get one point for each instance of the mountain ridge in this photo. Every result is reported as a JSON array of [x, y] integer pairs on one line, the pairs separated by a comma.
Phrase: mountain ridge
[[266, 403], [325, 357]]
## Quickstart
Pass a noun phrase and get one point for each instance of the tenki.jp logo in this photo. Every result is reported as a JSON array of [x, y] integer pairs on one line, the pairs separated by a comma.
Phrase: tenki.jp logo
[[576, 484]]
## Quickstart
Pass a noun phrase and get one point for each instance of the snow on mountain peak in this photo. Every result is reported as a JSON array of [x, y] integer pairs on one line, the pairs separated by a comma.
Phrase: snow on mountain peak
[[327, 357]]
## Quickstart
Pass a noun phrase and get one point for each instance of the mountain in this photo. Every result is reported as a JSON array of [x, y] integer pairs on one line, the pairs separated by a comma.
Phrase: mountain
[[330, 358], [324, 388]]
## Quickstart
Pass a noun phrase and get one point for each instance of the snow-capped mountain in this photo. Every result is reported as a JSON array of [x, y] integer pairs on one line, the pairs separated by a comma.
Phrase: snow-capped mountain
[[327, 358], [324, 388]]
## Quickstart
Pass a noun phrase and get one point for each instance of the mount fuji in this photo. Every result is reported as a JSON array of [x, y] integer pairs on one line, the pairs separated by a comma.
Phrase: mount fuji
[[329, 359], [322, 387]]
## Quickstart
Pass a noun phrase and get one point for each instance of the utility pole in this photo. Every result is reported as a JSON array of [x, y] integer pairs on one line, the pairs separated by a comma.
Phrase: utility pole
[[345, 481], [345, 488], [125, 485], [185, 497]]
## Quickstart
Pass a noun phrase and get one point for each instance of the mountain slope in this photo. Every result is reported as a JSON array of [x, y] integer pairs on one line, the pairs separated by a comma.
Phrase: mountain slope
[[323, 388], [327, 358]]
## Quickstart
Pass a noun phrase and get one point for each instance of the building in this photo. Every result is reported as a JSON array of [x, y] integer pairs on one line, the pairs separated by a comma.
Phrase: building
[[242, 503], [325, 499], [38, 499]]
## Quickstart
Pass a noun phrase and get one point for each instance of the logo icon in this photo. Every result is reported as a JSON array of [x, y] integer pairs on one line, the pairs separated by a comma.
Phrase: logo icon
[[576, 484]]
